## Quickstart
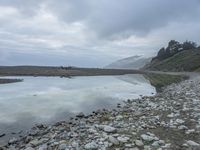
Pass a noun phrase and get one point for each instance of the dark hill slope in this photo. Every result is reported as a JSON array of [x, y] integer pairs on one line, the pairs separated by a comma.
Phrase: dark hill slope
[[187, 60]]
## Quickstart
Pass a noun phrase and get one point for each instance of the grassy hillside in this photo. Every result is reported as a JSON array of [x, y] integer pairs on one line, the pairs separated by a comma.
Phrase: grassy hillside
[[187, 60], [161, 80]]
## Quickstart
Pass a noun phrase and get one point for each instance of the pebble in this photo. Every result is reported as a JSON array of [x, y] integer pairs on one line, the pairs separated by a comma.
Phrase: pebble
[[147, 138], [109, 129], [12, 141], [62, 147], [113, 140], [91, 146], [139, 143], [123, 139], [192, 143]]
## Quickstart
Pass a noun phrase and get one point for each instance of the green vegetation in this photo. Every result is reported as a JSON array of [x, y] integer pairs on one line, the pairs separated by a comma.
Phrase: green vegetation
[[161, 80], [198, 70], [177, 57], [173, 48]]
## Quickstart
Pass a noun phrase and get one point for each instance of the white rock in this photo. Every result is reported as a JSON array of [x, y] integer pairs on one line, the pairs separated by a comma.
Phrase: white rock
[[91, 146], [185, 145], [134, 133], [123, 139], [128, 145], [179, 121], [109, 129], [91, 130], [147, 138], [190, 131], [12, 141], [182, 127], [119, 117], [156, 143], [171, 115], [43, 147], [139, 143], [192, 143], [113, 140]]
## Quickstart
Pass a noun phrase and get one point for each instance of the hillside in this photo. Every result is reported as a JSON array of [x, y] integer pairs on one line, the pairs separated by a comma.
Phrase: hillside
[[134, 62], [183, 60]]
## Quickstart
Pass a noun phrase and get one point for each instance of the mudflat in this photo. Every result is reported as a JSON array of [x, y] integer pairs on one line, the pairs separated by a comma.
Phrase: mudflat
[[5, 81], [61, 71]]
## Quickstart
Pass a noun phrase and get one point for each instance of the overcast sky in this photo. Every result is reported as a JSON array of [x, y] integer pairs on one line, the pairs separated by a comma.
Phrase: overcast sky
[[92, 32]]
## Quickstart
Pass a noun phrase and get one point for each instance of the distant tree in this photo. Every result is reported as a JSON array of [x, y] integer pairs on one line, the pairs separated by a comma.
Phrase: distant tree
[[187, 45], [161, 54], [173, 48], [173, 43]]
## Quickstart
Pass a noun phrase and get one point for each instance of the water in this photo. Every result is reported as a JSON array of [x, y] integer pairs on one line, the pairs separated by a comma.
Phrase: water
[[51, 99]]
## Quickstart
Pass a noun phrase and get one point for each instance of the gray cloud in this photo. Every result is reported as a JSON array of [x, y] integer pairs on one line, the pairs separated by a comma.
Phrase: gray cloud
[[114, 17], [27, 8], [87, 29], [126, 16]]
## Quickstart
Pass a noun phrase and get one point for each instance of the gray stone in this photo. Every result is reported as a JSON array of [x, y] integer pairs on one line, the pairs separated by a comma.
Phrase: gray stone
[[113, 140], [43, 147], [182, 127], [156, 143], [123, 139], [109, 129], [12, 141], [192, 143], [119, 117], [62, 147], [91, 146], [128, 145], [147, 138], [180, 121], [139, 143], [190, 131], [38, 142], [75, 144]]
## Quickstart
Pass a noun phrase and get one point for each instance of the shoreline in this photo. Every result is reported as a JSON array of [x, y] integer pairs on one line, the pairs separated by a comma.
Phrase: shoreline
[[168, 120], [7, 81]]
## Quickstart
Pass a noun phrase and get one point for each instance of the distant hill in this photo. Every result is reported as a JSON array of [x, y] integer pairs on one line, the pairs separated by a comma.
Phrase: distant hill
[[134, 62], [176, 57]]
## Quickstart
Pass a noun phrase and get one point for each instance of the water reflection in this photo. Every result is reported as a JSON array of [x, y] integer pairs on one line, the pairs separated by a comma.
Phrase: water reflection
[[47, 100]]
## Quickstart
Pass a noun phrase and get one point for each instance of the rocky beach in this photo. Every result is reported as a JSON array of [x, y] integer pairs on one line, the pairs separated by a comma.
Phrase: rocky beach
[[167, 120]]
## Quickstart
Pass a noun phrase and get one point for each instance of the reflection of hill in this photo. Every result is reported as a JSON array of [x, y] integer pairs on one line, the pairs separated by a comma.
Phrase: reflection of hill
[[134, 62], [133, 79]]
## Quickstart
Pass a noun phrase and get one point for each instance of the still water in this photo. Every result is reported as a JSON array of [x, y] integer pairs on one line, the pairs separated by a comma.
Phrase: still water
[[51, 99]]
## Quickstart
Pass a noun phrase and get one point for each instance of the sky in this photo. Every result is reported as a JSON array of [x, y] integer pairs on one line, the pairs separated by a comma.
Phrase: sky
[[92, 33]]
